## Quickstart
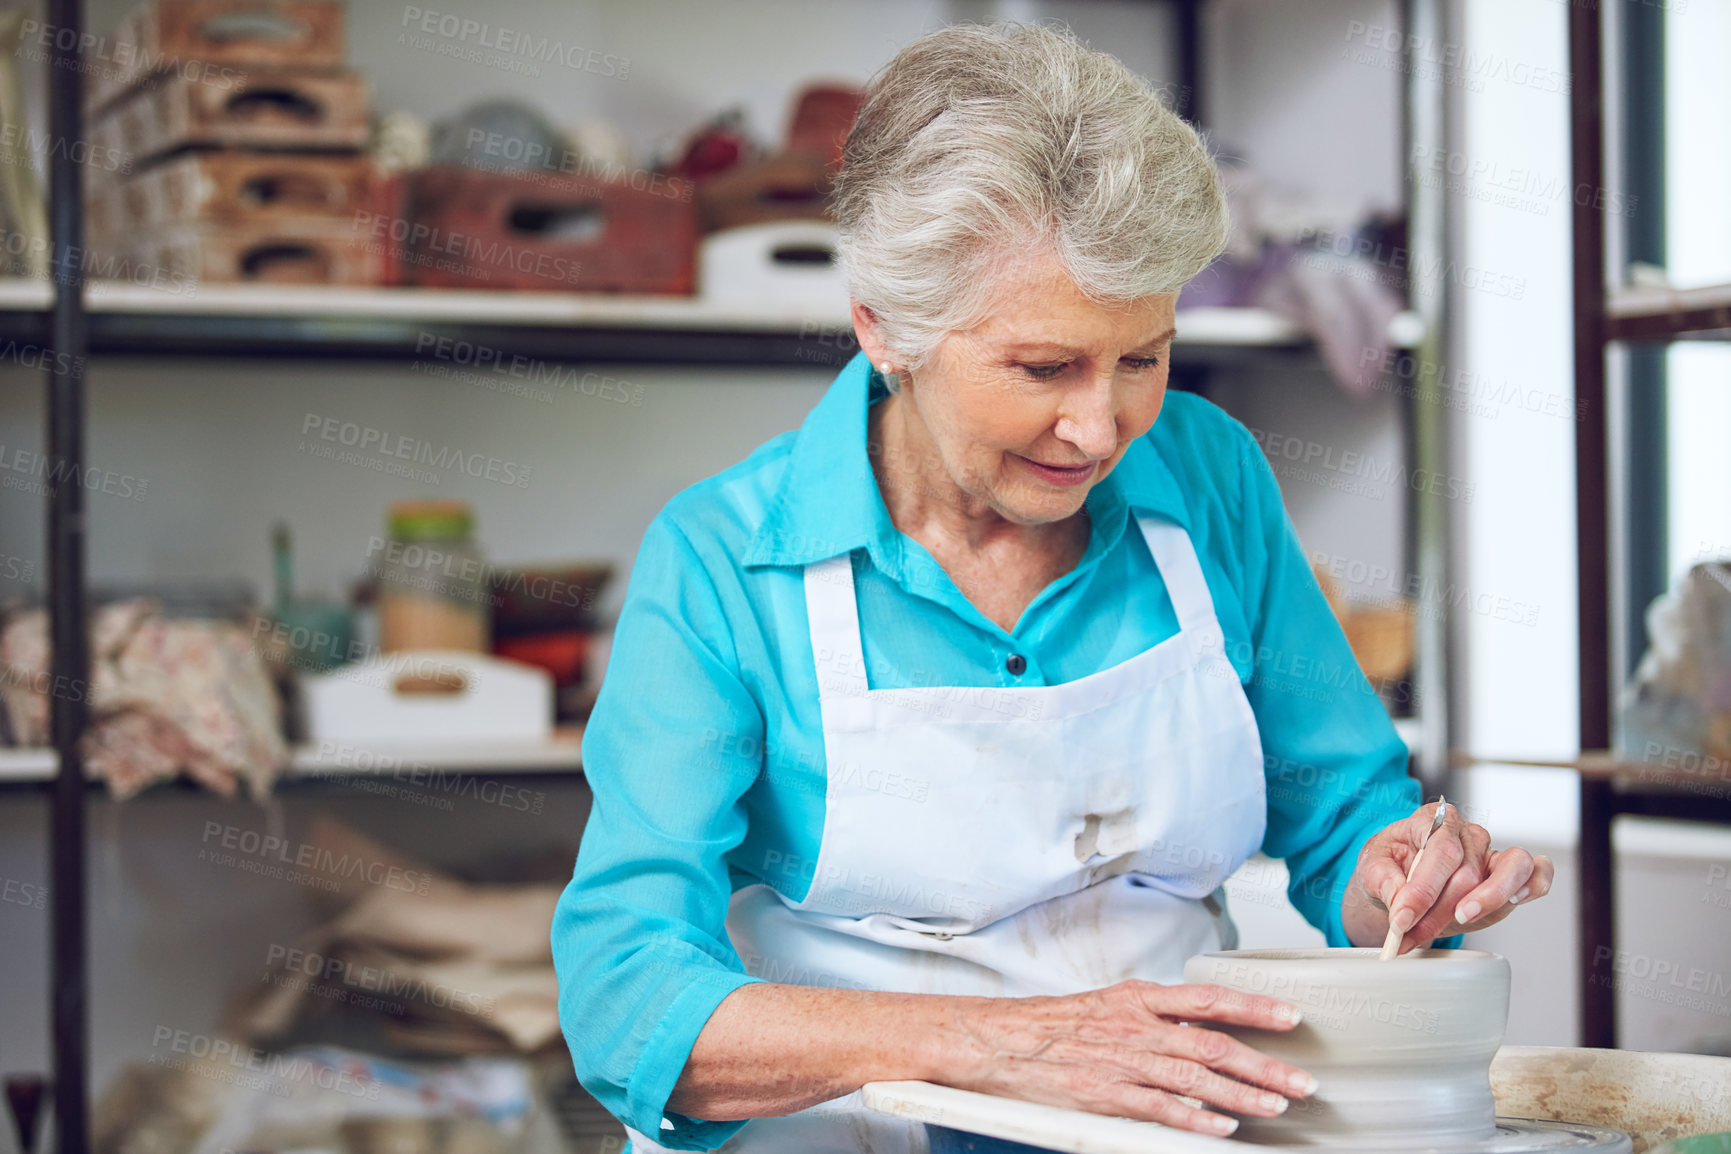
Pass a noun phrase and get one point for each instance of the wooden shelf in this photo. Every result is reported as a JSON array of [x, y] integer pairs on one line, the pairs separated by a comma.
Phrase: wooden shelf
[[28, 764], [402, 760], [562, 754], [316, 321], [1657, 314], [1643, 787]]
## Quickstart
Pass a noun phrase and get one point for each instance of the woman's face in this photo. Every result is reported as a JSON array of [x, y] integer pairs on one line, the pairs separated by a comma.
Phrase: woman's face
[[1036, 405]]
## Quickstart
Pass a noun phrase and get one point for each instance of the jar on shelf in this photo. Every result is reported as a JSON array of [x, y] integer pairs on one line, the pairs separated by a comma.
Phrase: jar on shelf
[[433, 584]]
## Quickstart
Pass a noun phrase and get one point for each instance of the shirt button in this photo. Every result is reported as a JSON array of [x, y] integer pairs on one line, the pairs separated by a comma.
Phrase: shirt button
[[1016, 664]]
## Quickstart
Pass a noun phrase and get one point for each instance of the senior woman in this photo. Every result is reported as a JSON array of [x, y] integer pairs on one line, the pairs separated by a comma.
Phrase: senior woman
[[933, 728]]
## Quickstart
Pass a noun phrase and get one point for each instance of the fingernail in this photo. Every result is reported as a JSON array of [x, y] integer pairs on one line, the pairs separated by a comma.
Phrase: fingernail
[[1302, 1084], [1469, 911], [1389, 889], [1224, 1125], [1273, 1102], [1290, 1014], [1522, 896], [1404, 919]]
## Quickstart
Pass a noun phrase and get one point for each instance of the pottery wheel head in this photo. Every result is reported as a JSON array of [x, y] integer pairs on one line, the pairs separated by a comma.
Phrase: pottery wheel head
[[1511, 1136]]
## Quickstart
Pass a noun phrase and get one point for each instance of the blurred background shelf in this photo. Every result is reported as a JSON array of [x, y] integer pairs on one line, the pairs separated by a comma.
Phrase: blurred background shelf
[[1653, 313], [24, 765], [327, 321], [561, 754]]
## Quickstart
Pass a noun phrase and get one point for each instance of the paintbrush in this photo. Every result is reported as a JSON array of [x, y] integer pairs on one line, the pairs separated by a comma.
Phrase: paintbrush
[[1391, 944]]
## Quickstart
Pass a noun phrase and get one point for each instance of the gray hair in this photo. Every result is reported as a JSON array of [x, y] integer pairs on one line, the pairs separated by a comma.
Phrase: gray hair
[[975, 141]]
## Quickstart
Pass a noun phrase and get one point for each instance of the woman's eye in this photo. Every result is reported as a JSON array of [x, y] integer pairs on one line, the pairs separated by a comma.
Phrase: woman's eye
[[1052, 372]]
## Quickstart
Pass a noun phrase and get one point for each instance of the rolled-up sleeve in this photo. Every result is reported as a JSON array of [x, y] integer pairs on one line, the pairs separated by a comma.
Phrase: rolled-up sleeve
[[639, 935], [1335, 766]]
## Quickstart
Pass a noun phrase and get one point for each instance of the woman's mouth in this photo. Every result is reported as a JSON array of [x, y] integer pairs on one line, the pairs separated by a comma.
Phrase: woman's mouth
[[1061, 474]]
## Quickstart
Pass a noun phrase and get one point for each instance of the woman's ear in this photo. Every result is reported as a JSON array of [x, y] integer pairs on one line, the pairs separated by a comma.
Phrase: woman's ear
[[868, 330]]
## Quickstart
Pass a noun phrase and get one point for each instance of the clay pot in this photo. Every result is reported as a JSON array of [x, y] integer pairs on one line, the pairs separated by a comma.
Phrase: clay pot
[[1401, 1049]]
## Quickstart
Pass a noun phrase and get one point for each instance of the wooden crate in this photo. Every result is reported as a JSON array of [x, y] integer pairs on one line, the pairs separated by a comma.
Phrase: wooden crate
[[235, 188], [214, 42], [1382, 640], [288, 250], [791, 186], [553, 231], [279, 109], [823, 116], [104, 213]]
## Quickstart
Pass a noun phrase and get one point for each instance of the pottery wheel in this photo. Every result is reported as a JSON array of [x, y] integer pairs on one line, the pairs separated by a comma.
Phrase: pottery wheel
[[1513, 1136], [1008, 1124]]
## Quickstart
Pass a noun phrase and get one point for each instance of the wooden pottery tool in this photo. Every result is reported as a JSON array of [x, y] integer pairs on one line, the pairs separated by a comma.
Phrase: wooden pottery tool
[[1391, 944]]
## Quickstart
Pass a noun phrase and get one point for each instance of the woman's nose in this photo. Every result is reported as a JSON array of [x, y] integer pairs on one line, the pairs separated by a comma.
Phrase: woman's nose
[[1090, 421]]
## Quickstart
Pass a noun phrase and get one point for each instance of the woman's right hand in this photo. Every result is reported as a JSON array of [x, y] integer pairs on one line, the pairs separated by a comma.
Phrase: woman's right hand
[[1126, 1050]]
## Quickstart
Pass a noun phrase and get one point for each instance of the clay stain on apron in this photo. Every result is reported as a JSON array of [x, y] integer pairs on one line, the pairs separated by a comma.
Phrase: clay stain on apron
[[1115, 831]]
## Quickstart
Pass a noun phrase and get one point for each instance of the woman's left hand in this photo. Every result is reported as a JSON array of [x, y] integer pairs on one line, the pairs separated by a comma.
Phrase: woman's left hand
[[1462, 884]]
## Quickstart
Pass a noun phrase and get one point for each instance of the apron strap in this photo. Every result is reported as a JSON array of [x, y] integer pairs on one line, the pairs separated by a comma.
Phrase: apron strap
[[835, 635], [833, 611], [1176, 557]]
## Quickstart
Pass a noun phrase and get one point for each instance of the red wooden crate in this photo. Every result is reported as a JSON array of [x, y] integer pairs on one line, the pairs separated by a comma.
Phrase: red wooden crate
[[791, 186], [463, 228], [822, 119]]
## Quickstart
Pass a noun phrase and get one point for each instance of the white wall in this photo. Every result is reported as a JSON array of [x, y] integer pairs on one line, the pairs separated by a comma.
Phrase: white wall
[[1698, 170], [1518, 691], [1698, 411], [1322, 129], [1351, 525], [1515, 684], [1284, 93], [1698, 160]]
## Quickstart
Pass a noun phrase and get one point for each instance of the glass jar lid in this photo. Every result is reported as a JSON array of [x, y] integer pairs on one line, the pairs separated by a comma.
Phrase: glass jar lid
[[434, 520]]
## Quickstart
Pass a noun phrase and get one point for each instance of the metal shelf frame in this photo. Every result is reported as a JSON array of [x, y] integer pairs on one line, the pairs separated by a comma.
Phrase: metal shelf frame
[[323, 338], [1222, 336], [68, 344]]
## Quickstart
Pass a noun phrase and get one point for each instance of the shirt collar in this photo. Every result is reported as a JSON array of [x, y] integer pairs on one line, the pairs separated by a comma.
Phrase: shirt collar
[[828, 501]]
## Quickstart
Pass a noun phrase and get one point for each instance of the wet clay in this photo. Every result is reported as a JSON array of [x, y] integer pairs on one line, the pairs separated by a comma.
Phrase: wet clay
[[1401, 1049]]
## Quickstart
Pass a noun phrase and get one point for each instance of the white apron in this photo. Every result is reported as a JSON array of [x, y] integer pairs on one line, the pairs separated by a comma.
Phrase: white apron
[[1010, 842]]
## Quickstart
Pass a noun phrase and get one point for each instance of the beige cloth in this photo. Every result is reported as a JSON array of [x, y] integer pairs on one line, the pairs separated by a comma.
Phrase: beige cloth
[[166, 697], [450, 967]]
